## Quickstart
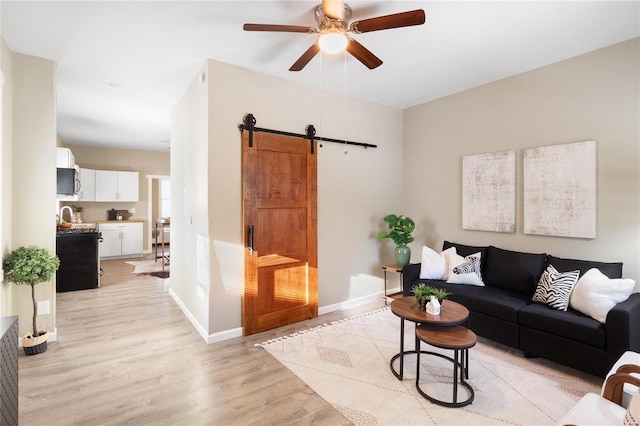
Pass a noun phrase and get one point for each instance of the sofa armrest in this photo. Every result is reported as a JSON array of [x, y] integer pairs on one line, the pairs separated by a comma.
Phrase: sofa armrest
[[410, 273], [623, 333]]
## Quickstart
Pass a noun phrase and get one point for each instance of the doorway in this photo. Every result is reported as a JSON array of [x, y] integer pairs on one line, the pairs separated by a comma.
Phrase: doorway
[[159, 205]]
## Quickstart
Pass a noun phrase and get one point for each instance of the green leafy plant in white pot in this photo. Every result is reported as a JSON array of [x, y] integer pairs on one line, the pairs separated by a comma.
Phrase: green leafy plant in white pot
[[423, 294], [400, 230], [31, 266]]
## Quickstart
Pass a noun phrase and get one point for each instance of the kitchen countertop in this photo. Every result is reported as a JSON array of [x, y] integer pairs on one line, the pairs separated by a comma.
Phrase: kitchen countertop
[[120, 221]]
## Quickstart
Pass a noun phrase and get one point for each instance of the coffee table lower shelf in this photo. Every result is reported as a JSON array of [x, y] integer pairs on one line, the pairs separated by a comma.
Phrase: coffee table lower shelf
[[457, 338]]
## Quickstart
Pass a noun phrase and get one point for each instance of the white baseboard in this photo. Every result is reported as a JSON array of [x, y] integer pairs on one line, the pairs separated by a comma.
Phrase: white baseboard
[[237, 332], [330, 308], [224, 335], [201, 331], [354, 303], [208, 338]]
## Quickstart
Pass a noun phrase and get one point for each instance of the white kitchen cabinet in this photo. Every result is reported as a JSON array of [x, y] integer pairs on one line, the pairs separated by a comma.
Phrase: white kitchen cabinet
[[120, 240], [87, 185], [114, 185], [65, 158]]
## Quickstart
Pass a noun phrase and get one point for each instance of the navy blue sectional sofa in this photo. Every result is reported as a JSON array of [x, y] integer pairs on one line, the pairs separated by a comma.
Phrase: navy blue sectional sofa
[[503, 311]]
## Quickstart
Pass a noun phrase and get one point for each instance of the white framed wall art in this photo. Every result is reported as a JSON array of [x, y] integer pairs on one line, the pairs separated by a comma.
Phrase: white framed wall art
[[489, 192], [560, 190]]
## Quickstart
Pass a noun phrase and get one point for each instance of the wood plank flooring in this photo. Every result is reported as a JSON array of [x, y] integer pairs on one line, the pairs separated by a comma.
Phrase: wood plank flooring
[[126, 354]]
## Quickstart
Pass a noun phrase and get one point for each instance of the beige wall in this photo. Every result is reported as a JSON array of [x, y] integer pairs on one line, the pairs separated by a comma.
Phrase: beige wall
[[593, 96], [143, 162], [356, 187], [6, 66], [34, 173], [189, 203]]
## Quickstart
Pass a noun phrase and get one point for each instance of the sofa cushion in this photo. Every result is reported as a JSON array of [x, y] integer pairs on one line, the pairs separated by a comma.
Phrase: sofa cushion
[[513, 270], [611, 270], [464, 250], [489, 301], [569, 324]]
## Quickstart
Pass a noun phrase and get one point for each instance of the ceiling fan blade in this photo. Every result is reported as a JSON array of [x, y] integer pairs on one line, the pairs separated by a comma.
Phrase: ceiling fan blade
[[332, 8], [386, 22], [363, 54], [279, 28], [305, 58]]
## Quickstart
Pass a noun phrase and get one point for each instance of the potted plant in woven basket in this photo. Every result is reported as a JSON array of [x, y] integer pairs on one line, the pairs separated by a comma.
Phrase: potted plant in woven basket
[[31, 266]]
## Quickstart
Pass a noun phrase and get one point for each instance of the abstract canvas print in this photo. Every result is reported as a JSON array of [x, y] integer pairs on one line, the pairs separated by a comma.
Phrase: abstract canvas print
[[489, 192], [560, 190]]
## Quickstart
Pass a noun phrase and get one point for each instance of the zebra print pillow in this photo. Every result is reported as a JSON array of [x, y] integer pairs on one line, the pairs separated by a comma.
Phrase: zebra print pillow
[[463, 270], [554, 288]]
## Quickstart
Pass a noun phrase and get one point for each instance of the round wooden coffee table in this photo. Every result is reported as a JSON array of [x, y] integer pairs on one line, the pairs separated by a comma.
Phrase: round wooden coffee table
[[458, 338], [451, 313]]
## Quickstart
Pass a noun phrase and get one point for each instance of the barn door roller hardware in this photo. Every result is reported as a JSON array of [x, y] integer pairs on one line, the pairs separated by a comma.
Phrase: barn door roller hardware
[[249, 124]]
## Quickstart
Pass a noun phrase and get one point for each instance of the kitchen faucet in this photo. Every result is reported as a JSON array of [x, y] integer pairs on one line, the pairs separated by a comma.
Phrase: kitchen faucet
[[62, 213]]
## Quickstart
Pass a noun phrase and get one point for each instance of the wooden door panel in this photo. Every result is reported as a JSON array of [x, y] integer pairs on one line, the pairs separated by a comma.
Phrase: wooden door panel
[[282, 287], [281, 231], [279, 210], [281, 176], [276, 319]]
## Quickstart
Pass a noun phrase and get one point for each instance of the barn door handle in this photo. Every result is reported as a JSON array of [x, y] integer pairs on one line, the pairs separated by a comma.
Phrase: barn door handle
[[251, 235]]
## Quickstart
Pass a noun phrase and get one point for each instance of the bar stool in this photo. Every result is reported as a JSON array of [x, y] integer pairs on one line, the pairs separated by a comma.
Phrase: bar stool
[[459, 339]]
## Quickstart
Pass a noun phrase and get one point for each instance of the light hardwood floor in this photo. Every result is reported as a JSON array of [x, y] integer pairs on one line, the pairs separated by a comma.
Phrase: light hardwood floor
[[127, 354]]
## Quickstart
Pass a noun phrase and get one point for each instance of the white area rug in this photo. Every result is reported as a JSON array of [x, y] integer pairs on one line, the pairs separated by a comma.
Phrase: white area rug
[[347, 363], [149, 267]]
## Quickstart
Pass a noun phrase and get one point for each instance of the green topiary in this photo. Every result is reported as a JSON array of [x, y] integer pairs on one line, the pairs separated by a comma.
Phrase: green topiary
[[30, 266]]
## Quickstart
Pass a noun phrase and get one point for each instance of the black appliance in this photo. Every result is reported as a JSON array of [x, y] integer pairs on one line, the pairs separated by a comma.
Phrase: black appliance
[[79, 254], [68, 181]]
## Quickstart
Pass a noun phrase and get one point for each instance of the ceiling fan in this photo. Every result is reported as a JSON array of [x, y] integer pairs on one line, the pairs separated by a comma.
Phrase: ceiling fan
[[333, 18]]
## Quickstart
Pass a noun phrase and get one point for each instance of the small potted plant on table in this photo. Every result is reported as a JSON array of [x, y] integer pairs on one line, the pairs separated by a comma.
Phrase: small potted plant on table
[[31, 266], [423, 294]]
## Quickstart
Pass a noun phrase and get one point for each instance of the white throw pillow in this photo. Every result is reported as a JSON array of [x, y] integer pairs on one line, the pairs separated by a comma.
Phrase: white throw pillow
[[434, 265], [471, 263], [595, 294]]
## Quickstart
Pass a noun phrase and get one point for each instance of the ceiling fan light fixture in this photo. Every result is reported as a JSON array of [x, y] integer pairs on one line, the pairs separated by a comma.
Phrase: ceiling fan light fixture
[[333, 41]]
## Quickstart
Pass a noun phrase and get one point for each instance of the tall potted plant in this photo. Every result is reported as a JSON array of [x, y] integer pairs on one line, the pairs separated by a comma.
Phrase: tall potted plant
[[400, 229], [31, 266]]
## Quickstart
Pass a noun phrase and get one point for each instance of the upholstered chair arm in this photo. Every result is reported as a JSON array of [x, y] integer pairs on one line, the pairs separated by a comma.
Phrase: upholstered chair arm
[[614, 384], [628, 368]]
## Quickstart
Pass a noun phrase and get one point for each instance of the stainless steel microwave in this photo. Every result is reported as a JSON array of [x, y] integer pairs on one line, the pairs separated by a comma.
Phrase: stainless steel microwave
[[68, 182]]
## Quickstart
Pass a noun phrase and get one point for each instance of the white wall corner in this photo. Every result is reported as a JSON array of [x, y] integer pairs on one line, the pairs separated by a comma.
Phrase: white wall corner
[[199, 328]]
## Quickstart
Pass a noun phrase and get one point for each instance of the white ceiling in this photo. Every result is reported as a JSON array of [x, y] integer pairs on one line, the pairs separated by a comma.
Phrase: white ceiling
[[151, 50]]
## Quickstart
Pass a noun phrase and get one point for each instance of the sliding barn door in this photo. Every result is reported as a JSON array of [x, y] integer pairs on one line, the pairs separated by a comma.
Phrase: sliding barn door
[[280, 224]]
